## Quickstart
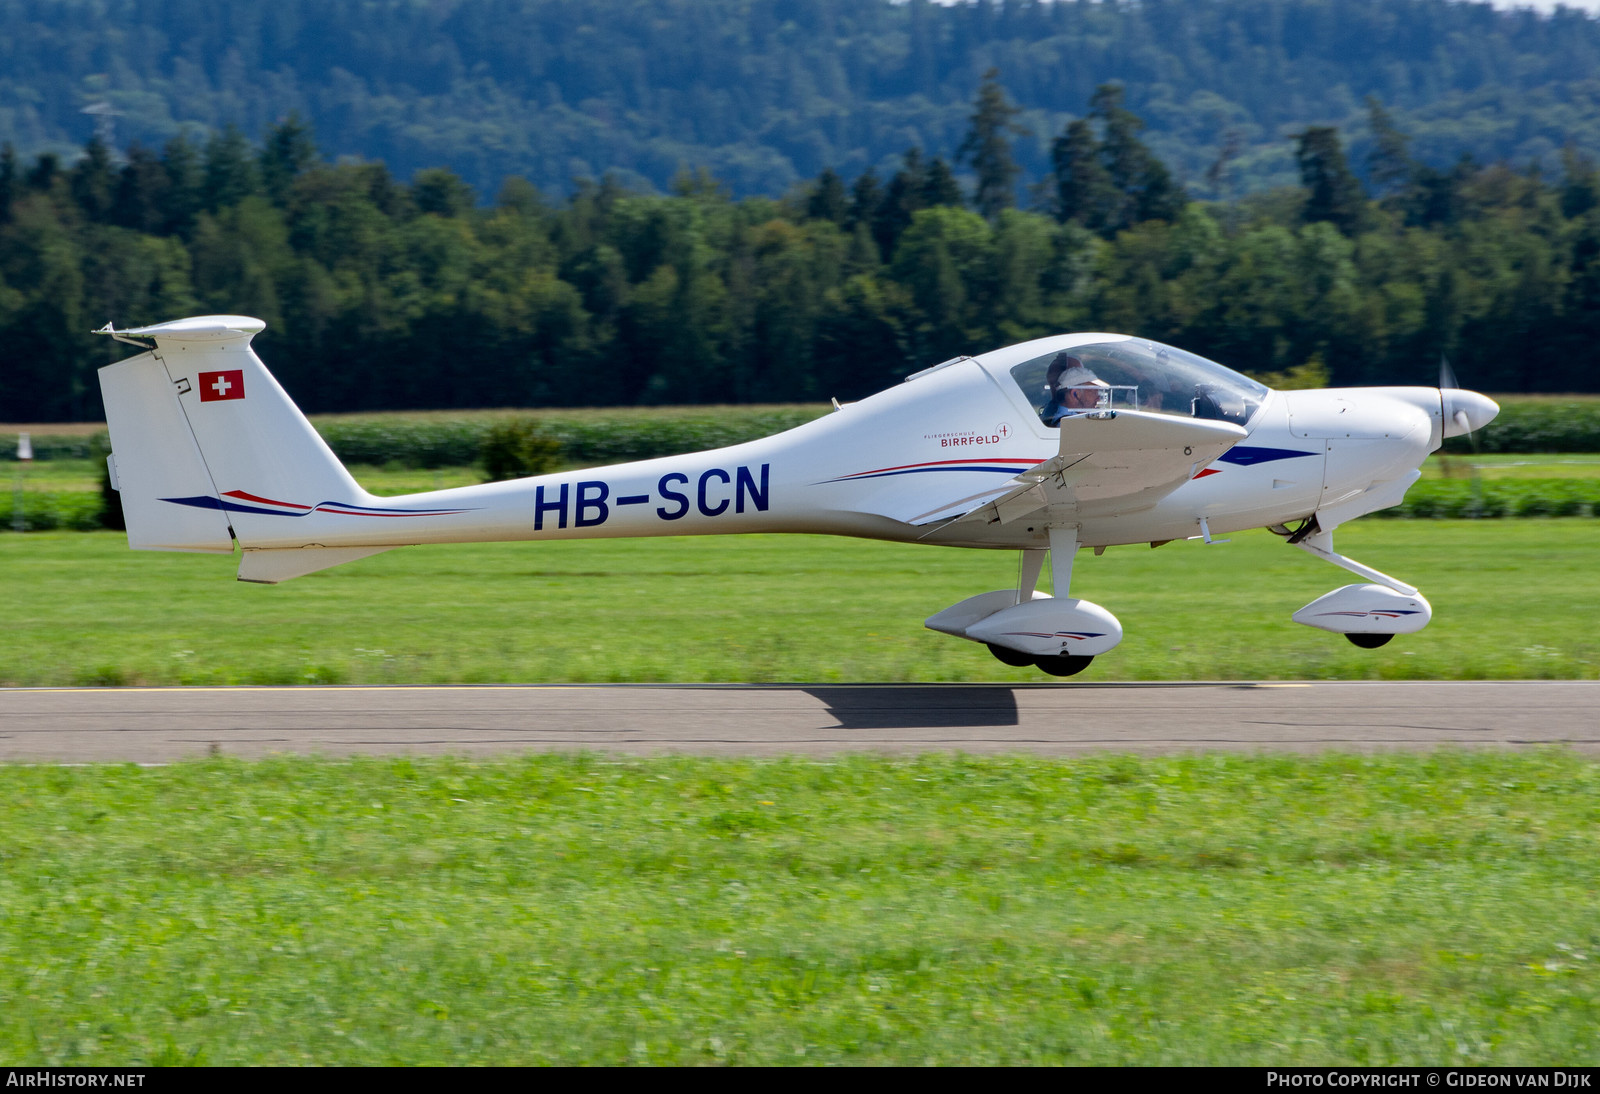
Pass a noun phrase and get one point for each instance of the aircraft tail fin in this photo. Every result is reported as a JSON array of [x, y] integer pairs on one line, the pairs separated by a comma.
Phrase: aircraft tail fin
[[207, 447]]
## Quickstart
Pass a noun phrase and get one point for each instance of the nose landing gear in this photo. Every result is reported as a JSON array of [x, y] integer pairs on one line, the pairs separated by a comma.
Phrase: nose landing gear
[[1368, 615]]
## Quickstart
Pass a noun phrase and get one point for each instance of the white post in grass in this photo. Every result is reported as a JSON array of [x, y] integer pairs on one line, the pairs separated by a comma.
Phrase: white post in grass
[[24, 457]]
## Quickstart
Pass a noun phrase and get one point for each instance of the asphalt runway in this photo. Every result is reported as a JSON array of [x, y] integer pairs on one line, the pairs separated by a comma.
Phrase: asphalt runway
[[156, 725]]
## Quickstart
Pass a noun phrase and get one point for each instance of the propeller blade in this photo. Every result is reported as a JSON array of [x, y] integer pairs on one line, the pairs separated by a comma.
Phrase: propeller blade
[[1465, 411], [1463, 423]]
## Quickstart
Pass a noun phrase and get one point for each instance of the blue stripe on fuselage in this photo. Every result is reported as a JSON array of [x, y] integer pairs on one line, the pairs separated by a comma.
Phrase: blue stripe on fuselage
[[1245, 456], [204, 502]]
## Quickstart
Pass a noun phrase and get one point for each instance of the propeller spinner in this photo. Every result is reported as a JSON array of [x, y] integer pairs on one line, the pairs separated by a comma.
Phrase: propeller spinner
[[1465, 412]]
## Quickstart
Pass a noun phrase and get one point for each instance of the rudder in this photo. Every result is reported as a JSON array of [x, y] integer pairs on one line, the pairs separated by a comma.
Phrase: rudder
[[154, 457]]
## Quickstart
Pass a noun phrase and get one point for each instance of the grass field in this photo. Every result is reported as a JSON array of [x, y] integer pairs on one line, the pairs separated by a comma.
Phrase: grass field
[[1381, 909], [1512, 599]]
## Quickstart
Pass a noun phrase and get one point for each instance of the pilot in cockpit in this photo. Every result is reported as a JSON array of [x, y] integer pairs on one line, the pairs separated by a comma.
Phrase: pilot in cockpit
[[1073, 387]]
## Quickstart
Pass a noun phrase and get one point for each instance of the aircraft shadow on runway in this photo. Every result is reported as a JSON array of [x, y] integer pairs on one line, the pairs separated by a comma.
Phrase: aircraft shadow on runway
[[914, 707]]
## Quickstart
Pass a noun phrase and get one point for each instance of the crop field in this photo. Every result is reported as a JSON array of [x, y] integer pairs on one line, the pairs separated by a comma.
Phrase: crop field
[[1512, 599], [1514, 467], [1338, 909]]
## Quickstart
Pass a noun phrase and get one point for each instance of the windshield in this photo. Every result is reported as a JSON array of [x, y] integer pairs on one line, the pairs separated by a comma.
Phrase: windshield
[[1133, 374]]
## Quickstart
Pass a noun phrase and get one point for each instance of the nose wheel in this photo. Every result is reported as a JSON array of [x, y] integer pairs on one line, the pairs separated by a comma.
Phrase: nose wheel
[[1062, 666]]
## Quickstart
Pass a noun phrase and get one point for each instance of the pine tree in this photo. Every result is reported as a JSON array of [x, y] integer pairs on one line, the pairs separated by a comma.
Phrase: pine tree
[[939, 186], [440, 191], [185, 186], [1440, 198], [140, 192], [1580, 188], [8, 180], [287, 151], [1389, 165], [1141, 185], [1335, 194], [827, 201], [988, 147], [42, 175], [865, 198], [1083, 187], [230, 174], [901, 200], [1217, 173], [92, 180]]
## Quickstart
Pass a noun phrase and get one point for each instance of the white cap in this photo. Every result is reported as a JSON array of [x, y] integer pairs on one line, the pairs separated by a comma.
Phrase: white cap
[[1078, 376]]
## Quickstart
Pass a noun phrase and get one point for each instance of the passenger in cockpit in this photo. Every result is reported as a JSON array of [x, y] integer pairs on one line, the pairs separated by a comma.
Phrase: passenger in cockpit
[[1073, 388]]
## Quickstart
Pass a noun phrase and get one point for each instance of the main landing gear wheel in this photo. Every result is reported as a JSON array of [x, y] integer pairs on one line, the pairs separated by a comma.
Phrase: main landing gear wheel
[[1369, 641], [1014, 658], [1062, 666]]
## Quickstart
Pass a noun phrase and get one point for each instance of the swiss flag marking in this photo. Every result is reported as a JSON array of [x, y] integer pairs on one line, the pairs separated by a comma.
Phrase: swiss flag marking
[[221, 385]]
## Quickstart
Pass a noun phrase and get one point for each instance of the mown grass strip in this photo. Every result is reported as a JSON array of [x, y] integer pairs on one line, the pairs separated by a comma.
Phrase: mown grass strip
[[1214, 909], [1511, 599]]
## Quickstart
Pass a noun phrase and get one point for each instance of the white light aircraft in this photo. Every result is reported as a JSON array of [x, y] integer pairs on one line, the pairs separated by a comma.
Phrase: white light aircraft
[[1078, 440]]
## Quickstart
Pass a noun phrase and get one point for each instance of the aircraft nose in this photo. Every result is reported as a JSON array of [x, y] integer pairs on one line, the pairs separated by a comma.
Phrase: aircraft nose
[[1466, 411]]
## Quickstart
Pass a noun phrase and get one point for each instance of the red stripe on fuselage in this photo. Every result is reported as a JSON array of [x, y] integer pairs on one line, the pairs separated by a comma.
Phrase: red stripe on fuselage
[[942, 463], [391, 512], [241, 495]]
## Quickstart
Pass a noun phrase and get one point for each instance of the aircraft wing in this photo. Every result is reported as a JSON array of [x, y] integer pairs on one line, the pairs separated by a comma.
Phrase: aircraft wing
[[1116, 462]]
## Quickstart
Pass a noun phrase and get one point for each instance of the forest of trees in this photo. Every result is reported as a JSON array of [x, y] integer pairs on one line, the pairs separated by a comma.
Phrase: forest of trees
[[766, 93], [382, 294]]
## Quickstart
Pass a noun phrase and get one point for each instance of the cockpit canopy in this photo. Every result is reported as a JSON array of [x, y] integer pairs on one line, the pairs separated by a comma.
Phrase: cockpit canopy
[[1133, 374]]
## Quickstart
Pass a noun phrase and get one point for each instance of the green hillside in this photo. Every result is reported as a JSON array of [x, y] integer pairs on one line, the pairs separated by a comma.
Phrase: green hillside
[[384, 288], [768, 92]]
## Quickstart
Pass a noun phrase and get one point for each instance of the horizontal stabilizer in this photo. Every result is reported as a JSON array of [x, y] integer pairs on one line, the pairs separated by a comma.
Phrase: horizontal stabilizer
[[271, 567], [199, 328]]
